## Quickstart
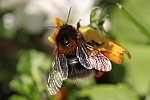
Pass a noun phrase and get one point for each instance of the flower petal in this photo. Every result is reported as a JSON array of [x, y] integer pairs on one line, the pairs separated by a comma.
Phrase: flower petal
[[111, 49], [59, 23]]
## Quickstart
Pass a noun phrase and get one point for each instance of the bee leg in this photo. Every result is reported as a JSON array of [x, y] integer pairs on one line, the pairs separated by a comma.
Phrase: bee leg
[[94, 43]]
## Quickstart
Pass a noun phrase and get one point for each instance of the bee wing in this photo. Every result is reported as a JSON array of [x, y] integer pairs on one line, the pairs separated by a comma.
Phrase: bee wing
[[90, 58], [58, 73], [63, 66]]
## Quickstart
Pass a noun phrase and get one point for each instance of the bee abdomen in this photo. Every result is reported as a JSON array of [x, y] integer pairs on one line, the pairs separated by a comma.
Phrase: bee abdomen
[[77, 72]]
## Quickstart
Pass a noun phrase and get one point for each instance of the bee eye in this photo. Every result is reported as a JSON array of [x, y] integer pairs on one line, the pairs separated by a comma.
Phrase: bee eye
[[66, 42]]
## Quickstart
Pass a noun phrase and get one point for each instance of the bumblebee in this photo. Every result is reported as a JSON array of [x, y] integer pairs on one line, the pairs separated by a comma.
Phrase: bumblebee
[[75, 59]]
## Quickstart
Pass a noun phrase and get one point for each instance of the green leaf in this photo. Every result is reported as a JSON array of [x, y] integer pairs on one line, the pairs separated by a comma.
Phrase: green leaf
[[93, 15], [24, 63], [137, 69], [22, 84], [31, 79], [109, 92], [97, 18], [17, 97], [31, 61], [39, 61], [128, 35]]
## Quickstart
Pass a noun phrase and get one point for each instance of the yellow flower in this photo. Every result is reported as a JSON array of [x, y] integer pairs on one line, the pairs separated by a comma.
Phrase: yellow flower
[[108, 47]]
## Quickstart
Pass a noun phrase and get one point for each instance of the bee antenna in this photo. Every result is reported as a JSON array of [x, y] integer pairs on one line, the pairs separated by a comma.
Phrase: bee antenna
[[78, 24], [51, 26], [69, 14], [65, 23]]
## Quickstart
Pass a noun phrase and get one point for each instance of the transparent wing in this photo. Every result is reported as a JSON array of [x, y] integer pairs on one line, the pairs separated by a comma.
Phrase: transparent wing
[[90, 58], [58, 73], [63, 66], [54, 80]]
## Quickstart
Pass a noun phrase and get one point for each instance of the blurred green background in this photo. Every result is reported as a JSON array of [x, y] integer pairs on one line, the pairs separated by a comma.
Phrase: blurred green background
[[26, 54]]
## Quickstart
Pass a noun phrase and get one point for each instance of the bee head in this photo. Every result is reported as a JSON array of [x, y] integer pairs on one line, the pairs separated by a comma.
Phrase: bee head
[[66, 35]]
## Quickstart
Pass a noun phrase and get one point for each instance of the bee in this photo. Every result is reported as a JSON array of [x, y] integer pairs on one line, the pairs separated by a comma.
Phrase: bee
[[75, 59]]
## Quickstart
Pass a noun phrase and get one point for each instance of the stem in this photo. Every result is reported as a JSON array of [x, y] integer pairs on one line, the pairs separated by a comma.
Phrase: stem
[[135, 22]]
